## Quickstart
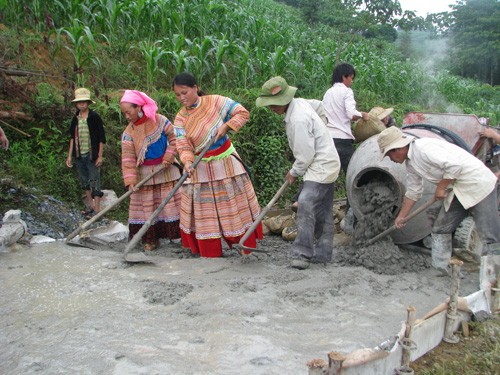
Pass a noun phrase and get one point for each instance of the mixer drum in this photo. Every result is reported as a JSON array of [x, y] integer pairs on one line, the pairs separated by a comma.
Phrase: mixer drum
[[366, 167]]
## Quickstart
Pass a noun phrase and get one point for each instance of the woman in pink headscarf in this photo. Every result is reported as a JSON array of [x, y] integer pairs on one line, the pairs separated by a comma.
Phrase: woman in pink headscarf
[[149, 144]]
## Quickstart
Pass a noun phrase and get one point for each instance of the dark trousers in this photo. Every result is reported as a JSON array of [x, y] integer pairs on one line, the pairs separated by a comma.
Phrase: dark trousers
[[345, 150], [485, 215], [315, 222], [89, 174]]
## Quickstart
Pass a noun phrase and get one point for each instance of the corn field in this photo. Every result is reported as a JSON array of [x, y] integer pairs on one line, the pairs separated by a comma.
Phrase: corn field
[[224, 43], [232, 47]]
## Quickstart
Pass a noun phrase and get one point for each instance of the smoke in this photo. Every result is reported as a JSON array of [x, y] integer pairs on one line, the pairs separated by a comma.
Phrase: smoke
[[431, 53]]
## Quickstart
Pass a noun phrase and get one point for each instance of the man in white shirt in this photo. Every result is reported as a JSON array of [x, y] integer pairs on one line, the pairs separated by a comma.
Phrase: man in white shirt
[[340, 108], [464, 183], [316, 159]]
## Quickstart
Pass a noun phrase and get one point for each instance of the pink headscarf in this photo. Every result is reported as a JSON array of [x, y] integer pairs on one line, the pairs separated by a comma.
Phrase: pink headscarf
[[148, 105]]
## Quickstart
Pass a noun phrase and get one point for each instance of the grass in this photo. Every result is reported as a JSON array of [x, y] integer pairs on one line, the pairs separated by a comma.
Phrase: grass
[[477, 354]]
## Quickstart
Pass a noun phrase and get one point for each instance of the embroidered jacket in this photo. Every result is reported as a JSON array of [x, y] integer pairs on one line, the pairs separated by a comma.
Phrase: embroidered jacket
[[145, 148]]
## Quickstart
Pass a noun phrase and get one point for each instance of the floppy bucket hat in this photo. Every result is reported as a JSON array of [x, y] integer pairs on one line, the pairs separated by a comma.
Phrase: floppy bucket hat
[[380, 112], [392, 138], [82, 95], [275, 92]]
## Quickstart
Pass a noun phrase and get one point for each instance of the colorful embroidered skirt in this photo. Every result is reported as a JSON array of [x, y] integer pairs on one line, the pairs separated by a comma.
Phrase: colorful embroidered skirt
[[218, 209], [142, 205]]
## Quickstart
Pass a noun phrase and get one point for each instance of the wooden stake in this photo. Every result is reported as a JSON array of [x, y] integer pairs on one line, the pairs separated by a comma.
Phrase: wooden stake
[[406, 342], [452, 315], [317, 367], [335, 360]]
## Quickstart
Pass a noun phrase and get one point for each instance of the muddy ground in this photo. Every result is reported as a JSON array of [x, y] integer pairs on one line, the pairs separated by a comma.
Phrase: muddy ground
[[77, 310]]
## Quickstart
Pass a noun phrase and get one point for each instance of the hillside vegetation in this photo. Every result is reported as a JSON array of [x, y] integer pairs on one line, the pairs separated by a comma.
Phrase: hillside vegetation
[[232, 47]]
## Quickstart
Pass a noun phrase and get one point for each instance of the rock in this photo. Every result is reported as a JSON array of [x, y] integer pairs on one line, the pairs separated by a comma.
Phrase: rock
[[482, 316], [289, 233], [108, 199], [276, 224], [111, 233], [41, 239], [13, 228]]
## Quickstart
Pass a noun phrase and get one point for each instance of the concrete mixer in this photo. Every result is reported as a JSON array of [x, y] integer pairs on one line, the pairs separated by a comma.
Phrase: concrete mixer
[[373, 183]]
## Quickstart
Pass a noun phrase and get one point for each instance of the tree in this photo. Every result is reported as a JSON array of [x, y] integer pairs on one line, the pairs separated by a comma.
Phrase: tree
[[358, 18], [385, 32], [475, 40]]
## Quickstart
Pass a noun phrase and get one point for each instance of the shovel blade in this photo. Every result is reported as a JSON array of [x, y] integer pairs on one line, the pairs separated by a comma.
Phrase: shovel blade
[[78, 244], [240, 248], [138, 258]]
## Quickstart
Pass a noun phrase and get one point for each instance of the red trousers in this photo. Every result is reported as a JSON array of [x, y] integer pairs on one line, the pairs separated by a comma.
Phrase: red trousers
[[212, 248]]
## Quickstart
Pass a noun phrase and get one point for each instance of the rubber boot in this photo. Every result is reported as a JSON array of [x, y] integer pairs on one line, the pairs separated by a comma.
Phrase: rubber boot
[[347, 223], [441, 251]]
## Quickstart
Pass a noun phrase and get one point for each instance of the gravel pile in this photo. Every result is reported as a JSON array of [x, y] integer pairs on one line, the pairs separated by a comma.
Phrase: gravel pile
[[383, 257], [43, 214]]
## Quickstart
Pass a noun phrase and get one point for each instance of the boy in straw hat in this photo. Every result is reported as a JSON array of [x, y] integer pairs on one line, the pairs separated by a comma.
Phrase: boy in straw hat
[[86, 145], [316, 159], [463, 183]]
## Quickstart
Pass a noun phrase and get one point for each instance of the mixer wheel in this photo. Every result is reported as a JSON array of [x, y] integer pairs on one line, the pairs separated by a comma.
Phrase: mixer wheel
[[466, 237]]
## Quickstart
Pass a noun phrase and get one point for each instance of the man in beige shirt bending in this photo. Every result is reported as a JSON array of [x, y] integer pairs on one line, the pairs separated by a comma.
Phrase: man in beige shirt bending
[[464, 183]]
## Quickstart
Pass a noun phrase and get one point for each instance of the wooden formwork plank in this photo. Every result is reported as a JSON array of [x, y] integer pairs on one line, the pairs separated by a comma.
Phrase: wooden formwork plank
[[428, 334], [385, 365]]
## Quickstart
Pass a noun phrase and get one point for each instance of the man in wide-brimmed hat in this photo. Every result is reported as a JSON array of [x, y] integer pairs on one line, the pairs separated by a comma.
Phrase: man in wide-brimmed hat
[[317, 161], [464, 184], [383, 114], [379, 119]]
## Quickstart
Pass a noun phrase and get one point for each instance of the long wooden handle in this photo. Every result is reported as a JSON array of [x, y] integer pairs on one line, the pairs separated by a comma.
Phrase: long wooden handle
[[266, 209], [422, 208], [176, 187], [104, 211]]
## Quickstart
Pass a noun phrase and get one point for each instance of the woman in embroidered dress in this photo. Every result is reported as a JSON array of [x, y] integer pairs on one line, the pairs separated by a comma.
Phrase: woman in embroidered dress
[[148, 144], [218, 200]]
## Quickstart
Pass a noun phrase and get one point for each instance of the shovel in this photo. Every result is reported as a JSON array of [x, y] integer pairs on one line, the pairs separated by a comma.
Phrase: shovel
[[107, 209], [141, 257], [422, 208], [264, 212]]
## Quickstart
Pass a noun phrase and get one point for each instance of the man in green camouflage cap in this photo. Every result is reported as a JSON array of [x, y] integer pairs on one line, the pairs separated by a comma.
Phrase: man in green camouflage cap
[[317, 161]]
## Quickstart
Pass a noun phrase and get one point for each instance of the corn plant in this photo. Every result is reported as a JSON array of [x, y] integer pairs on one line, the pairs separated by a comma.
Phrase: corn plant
[[107, 15], [244, 64], [82, 46], [152, 53], [200, 51], [223, 47]]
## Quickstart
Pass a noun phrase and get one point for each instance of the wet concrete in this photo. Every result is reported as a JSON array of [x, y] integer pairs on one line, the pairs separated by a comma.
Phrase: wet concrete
[[75, 310], [377, 204]]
